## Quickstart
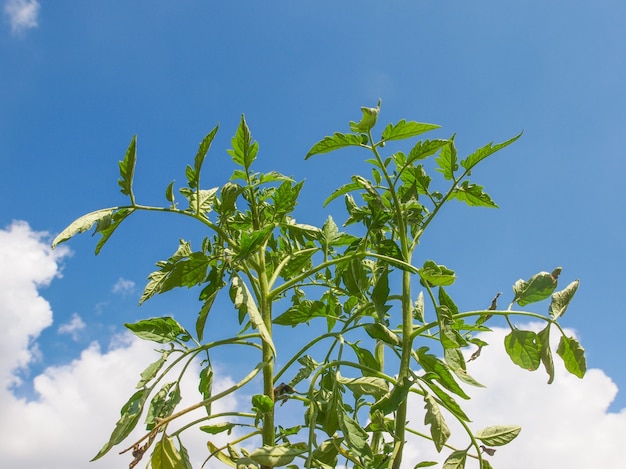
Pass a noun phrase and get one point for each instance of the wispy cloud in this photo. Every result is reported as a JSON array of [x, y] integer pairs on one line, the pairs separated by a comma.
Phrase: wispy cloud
[[22, 14], [72, 328], [124, 287]]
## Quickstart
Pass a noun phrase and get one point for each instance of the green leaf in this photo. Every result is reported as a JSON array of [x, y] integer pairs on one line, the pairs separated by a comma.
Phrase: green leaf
[[368, 121], [436, 275], [438, 428], [391, 401], [573, 355], [560, 300], [424, 149], [372, 386], [169, 193], [82, 224], [498, 435], [262, 403], [127, 169], [242, 299], [151, 371], [244, 149], [539, 287], [404, 129], [365, 358], [431, 364], [208, 294], [447, 401], [163, 404], [308, 366], [334, 142], [546, 354], [380, 293], [166, 456], [447, 160], [418, 307], [482, 153], [425, 464], [183, 269], [524, 349], [378, 331], [251, 241], [456, 460], [193, 174], [107, 225], [161, 330], [277, 456], [205, 384], [216, 428], [354, 435], [130, 414], [473, 195]]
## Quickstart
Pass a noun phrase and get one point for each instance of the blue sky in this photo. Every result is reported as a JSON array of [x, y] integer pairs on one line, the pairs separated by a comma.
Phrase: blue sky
[[79, 79]]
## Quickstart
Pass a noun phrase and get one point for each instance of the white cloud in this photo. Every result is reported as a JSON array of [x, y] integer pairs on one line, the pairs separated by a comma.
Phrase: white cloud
[[72, 327], [124, 286], [26, 264], [22, 14], [76, 404], [564, 424]]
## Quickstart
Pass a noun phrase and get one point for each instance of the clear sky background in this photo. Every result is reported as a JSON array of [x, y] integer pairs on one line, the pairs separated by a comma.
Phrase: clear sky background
[[79, 79]]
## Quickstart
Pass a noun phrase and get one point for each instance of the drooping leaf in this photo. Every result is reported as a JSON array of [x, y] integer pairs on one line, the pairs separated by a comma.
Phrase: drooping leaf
[[561, 299], [473, 195], [425, 464], [161, 330], [524, 348], [447, 401], [205, 384], [308, 366], [151, 370], [539, 287], [82, 224], [431, 364], [208, 294], [216, 428], [482, 153], [354, 435], [130, 414], [242, 299], [546, 354], [372, 386], [573, 355], [380, 293], [498, 435], [277, 456], [438, 428], [107, 225], [336, 141], [380, 332], [365, 358], [391, 401], [404, 129], [163, 404], [127, 169], [456, 460], [166, 456]]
